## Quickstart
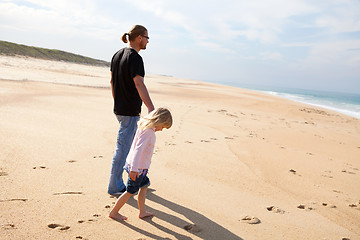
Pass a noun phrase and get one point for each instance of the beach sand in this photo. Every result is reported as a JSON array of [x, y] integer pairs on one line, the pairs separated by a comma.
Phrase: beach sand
[[237, 164]]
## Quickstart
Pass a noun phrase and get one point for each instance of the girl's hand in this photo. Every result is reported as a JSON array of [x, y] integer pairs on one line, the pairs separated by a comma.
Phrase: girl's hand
[[133, 175]]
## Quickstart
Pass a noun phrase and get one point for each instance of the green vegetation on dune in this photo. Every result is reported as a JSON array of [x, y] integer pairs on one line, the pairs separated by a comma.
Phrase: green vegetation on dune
[[13, 49]]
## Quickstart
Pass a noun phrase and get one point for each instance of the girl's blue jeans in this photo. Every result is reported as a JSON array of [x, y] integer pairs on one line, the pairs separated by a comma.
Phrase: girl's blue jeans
[[127, 130]]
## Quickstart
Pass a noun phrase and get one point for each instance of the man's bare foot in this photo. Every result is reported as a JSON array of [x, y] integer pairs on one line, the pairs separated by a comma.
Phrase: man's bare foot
[[145, 215], [117, 216]]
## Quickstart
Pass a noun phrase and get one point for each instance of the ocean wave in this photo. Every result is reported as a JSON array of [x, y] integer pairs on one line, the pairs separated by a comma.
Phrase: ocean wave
[[342, 103]]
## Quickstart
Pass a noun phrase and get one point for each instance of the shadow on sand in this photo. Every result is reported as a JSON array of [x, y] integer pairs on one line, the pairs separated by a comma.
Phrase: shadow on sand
[[204, 227]]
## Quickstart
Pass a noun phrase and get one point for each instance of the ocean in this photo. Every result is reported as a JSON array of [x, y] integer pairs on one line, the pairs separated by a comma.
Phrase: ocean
[[346, 103]]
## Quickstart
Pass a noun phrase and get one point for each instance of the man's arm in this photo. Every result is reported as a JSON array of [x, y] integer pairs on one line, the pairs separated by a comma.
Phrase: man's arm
[[112, 85], [143, 92]]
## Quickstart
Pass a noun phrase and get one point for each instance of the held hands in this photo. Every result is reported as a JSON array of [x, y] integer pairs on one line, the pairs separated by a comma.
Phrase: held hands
[[133, 175]]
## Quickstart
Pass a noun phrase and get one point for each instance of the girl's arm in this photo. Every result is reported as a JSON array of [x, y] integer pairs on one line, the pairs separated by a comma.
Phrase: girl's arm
[[133, 175]]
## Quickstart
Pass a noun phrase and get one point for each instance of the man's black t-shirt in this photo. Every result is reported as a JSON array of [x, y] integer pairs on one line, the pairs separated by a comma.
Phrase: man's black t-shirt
[[125, 65]]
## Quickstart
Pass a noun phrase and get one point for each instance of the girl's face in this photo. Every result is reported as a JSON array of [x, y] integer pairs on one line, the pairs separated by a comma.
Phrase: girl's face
[[159, 128]]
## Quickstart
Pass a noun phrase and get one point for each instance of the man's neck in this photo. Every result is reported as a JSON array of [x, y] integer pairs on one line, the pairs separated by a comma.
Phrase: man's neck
[[133, 46]]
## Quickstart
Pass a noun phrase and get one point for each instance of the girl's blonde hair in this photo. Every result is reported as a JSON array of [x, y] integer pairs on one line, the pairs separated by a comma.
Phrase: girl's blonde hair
[[133, 33], [158, 117]]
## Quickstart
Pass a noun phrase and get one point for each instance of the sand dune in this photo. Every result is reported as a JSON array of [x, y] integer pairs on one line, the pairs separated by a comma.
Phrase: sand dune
[[237, 164]]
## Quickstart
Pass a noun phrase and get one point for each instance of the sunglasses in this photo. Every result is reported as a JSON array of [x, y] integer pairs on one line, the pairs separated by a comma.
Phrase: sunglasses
[[146, 37]]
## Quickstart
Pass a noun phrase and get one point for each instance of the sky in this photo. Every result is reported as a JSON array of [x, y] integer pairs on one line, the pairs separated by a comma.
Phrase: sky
[[303, 44]]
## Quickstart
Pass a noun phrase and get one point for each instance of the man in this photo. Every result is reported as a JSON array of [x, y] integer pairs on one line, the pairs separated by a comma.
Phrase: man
[[129, 91]]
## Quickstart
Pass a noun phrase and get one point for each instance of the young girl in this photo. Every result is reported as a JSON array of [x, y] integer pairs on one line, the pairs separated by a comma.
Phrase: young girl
[[139, 159]]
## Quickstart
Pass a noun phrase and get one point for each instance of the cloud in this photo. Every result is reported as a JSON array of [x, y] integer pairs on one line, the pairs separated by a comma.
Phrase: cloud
[[209, 25], [206, 21], [335, 52], [271, 56], [259, 20], [340, 17], [160, 9], [64, 18], [215, 47]]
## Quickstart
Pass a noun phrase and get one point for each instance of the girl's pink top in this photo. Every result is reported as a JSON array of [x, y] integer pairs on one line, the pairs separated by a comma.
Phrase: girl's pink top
[[141, 150]]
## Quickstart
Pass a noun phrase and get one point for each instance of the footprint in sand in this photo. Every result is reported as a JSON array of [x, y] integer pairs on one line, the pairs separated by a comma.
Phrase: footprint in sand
[[348, 165], [90, 220], [294, 172], [327, 176], [345, 171], [14, 199], [302, 206], [8, 226], [232, 115], [61, 227], [252, 134], [3, 174], [69, 193], [328, 205], [192, 228], [250, 220], [275, 209], [40, 167], [355, 205]]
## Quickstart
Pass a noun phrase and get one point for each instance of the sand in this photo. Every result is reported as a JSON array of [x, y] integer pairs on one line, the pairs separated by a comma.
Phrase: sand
[[237, 164]]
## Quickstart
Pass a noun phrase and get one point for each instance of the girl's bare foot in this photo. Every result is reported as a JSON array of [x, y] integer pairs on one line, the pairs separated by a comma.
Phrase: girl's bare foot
[[117, 216], [145, 214]]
